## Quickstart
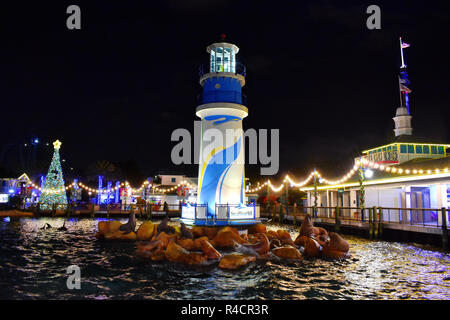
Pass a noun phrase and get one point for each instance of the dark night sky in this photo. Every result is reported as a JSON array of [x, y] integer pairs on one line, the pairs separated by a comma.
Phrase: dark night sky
[[116, 89]]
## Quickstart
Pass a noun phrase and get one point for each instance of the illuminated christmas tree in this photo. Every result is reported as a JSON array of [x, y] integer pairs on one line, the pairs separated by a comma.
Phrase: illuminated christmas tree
[[54, 191]]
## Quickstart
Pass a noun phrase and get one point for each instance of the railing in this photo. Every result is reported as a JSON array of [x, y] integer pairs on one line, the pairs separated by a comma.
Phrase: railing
[[426, 217], [240, 69], [92, 209], [422, 217], [223, 212]]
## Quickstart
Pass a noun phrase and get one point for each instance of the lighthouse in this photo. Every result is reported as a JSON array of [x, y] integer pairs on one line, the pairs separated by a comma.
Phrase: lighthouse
[[221, 172]]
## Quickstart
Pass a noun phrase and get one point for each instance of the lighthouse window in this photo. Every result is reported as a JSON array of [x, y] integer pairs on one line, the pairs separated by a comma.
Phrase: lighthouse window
[[441, 150], [411, 149], [212, 66], [426, 149], [419, 149], [433, 150], [227, 60], [219, 59], [233, 61], [403, 148]]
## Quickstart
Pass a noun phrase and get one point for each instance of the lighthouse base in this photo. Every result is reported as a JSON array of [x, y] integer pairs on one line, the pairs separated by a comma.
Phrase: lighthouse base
[[224, 215]]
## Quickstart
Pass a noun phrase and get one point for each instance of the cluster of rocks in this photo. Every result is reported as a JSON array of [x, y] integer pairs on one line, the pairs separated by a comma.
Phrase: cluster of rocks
[[200, 245]]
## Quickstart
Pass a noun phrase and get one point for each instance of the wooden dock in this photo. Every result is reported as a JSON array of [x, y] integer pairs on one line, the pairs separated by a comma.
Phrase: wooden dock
[[374, 222]]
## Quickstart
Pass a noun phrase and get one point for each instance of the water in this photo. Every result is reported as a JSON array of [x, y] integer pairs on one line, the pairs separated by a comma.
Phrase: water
[[33, 265]]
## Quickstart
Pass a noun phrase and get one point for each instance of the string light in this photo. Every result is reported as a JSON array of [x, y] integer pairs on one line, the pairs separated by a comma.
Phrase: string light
[[287, 179]]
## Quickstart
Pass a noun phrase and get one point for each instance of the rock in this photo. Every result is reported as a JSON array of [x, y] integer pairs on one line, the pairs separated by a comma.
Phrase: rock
[[336, 248], [300, 240], [319, 231], [312, 248], [198, 242], [105, 227], [198, 231], [287, 253], [129, 236], [333, 254], [338, 243], [235, 260], [211, 232], [145, 231], [119, 235], [323, 239], [230, 229], [257, 228], [176, 253], [158, 255], [159, 243], [226, 238], [187, 244], [166, 238], [261, 247], [275, 243], [285, 237], [208, 250], [271, 235]]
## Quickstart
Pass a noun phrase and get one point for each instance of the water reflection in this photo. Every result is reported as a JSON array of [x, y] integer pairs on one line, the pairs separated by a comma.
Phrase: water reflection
[[33, 265]]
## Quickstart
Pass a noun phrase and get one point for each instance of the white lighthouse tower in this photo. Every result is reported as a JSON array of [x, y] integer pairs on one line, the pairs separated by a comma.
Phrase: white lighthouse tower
[[221, 172]]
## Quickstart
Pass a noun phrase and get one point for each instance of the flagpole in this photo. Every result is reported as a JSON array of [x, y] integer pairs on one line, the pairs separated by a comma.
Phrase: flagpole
[[401, 52]]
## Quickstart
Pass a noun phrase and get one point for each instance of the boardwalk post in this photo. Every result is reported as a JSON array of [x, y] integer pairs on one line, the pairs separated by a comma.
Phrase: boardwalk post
[[107, 210], [375, 223], [380, 223], [370, 223], [93, 210], [54, 210], [294, 212], [337, 225], [444, 229], [149, 211], [281, 215]]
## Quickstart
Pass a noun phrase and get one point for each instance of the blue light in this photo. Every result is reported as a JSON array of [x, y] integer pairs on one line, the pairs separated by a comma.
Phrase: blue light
[[36, 140], [11, 190]]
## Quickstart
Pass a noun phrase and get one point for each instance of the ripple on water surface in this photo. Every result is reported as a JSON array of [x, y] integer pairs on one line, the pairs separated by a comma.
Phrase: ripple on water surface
[[33, 265]]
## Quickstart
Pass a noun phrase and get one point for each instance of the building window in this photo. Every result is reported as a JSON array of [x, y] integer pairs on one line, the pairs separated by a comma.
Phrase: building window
[[410, 148], [433, 150], [441, 150], [403, 148], [419, 149], [426, 149], [174, 179]]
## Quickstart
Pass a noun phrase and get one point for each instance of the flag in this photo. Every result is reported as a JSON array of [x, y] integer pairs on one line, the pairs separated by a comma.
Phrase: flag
[[404, 44], [404, 88]]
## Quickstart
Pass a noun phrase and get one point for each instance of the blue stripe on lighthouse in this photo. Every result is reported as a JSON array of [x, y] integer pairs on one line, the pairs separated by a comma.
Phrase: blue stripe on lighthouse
[[213, 172]]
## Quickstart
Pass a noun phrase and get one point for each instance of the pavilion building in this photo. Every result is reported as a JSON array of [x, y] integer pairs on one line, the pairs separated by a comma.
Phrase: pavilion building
[[416, 173]]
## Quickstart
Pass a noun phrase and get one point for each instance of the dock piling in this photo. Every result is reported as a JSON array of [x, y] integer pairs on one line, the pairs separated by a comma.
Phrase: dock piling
[[337, 225], [444, 229]]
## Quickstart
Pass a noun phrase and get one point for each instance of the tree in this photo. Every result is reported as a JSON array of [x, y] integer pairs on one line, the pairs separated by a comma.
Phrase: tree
[[54, 192]]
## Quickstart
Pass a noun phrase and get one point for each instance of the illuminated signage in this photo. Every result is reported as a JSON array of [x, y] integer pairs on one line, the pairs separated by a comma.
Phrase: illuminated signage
[[241, 212], [188, 212], [4, 198]]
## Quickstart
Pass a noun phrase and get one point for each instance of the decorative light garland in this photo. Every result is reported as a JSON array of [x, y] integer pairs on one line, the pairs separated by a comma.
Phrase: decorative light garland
[[350, 174], [288, 179], [123, 184]]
